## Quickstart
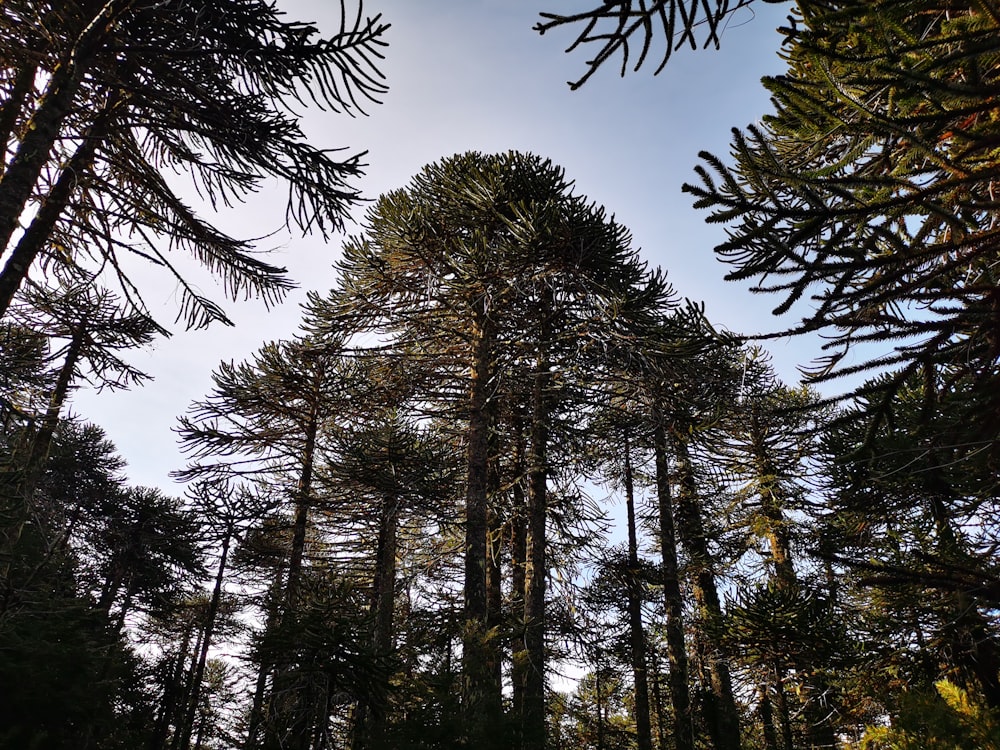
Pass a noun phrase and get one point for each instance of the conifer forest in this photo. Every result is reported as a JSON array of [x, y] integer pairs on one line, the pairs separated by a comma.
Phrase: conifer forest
[[504, 486]]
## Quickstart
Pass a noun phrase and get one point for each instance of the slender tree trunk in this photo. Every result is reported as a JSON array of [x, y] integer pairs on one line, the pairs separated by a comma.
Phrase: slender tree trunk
[[637, 635], [257, 712], [518, 564], [480, 694], [775, 532], [34, 464], [11, 109], [771, 506], [171, 690], [42, 441], [206, 641], [289, 724], [766, 717], [676, 648], [303, 503], [661, 737], [784, 714], [185, 693], [40, 229], [370, 715], [494, 554], [706, 594], [533, 726], [599, 689]]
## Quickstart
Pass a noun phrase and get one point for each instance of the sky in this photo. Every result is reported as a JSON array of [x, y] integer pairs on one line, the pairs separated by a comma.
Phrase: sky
[[473, 75]]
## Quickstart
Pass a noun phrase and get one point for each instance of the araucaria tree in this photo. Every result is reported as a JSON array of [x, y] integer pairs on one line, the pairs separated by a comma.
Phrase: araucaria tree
[[871, 190], [490, 277], [104, 101]]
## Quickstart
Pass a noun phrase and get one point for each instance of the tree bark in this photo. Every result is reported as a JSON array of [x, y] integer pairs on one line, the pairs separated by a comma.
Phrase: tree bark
[[10, 110], [371, 716], [22, 175], [533, 725], [518, 563], [637, 635], [480, 694], [674, 603], [706, 594], [33, 240], [34, 465], [206, 641]]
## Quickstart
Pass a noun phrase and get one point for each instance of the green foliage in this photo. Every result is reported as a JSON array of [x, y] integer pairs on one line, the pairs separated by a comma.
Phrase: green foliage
[[870, 190], [948, 719]]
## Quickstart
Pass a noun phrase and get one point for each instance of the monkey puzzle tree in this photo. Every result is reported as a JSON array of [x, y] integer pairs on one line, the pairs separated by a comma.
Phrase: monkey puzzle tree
[[912, 507], [483, 262], [871, 190], [263, 422], [103, 99]]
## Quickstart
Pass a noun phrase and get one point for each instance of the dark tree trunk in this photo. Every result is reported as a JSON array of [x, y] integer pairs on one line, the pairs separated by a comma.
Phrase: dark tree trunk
[[480, 694], [674, 603], [784, 714], [33, 240], [637, 634], [206, 642], [171, 692], [706, 595], [257, 710], [11, 109], [533, 725], [303, 503], [766, 717], [32, 155], [661, 736], [518, 563], [370, 714], [34, 464]]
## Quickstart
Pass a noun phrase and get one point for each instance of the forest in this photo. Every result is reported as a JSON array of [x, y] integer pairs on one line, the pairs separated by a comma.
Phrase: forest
[[504, 486]]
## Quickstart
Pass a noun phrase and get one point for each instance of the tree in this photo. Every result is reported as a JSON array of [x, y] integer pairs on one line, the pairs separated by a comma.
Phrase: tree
[[263, 422], [871, 190], [785, 630], [103, 100], [910, 513], [481, 263]]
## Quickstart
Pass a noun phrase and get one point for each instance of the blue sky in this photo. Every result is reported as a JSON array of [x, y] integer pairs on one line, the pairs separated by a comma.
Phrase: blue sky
[[474, 76]]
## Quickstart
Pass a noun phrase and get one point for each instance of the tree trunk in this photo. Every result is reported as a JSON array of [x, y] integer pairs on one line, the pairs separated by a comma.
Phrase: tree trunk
[[33, 240], [171, 691], [34, 464], [766, 717], [674, 603], [370, 714], [533, 725], [206, 641], [257, 712], [706, 594], [480, 693], [637, 635], [10, 110], [518, 564], [303, 503], [784, 714], [22, 175], [661, 737]]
